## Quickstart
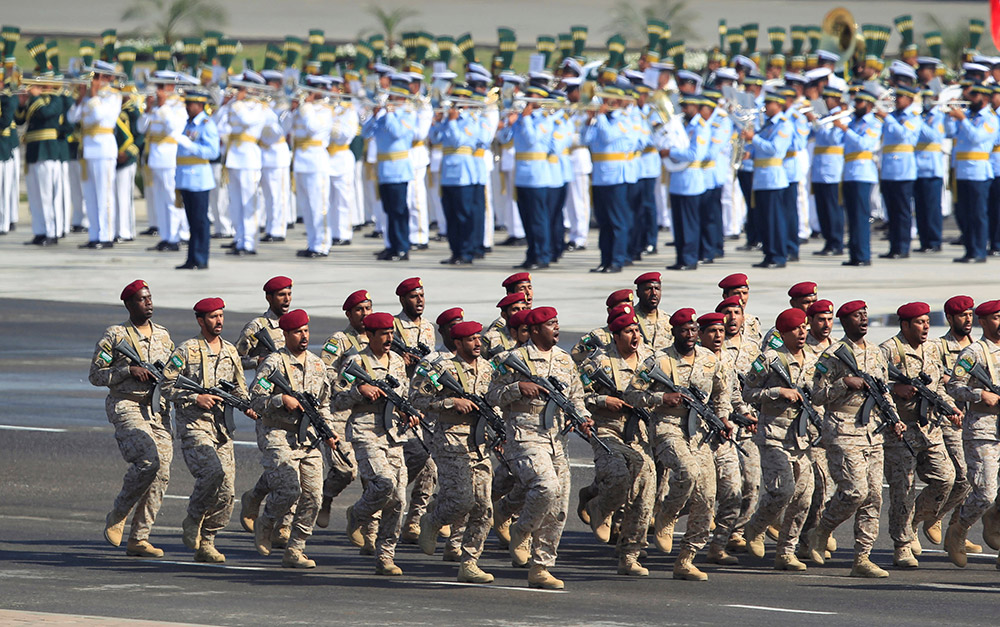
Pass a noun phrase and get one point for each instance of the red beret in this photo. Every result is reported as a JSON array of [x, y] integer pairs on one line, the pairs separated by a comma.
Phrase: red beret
[[541, 315], [647, 278], [208, 305], [709, 319], [958, 304], [619, 296], [909, 311], [622, 321], [408, 285], [789, 320], [620, 309], [295, 319], [519, 277], [510, 299], [377, 321], [519, 319], [988, 308], [448, 315], [850, 307], [356, 297], [802, 289], [465, 329], [277, 283], [734, 280], [132, 288], [682, 316], [732, 301], [820, 307]]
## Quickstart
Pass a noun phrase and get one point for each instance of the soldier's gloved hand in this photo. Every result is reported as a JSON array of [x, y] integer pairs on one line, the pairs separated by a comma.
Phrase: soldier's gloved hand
[[139, 373], [529, 390], [904, 391], [672, 399], [207, 401], [464, 405], [854, 383], [291, 403], [790, 395]]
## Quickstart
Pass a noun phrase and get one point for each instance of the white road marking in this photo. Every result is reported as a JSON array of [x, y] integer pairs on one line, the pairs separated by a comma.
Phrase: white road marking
[[971, 555], [958, 587], [20, 428], [184, 498], [765, 571], [245, 443], [202, 564], [486, 585], [780, 609]]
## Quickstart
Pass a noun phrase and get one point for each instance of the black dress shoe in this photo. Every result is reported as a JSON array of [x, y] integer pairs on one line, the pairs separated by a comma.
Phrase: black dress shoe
[[298, 220], [421, 246], [826, 252], [599, 269], [970, 260], [523, 265], [90, 245], [107, 244], [171, 248], [37, 241], [341, 242], [151, 231], [770, 265], [793, 258], [448, 262], [681, 266], [629, 262], [314, 254], [649, 250], [50, 241], [400, 257], [229, 245], [613, 269], [191, 266], [265, 238], [994, 253], [76, 228], [894, 256], [856, 263], [374, 235], [707, 260], [462, 262]]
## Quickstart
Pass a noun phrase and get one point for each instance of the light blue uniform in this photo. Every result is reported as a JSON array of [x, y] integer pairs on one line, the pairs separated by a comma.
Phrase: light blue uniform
[[194, 172], [900, 133], [393, 132]]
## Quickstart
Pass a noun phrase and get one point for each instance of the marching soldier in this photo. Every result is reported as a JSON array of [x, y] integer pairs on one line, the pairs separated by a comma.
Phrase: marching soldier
[[654, 325], [500, 337], [738, 284]]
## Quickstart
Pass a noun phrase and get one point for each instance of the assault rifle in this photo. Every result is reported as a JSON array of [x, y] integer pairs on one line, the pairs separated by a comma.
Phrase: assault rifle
[[264, 339], [223, 390], [310, 416], [595, 374], [393, 402], [875, 395], [807, 413], [929, 399], [419, 351], [155, 369]]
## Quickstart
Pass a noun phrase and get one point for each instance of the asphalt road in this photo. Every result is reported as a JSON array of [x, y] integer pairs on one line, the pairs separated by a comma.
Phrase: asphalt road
[[58, 477]]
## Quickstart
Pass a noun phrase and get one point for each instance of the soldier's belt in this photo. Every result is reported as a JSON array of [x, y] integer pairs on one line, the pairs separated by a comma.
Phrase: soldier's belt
[[611, 156], [160, 139], [864, 155], [336, 148], [452, 418], [891, 148], [775, 162], [928, 146], [243, 137], [828, 150], [97, 130], [479, 152], [531, 156], [398, 155], [143, 398], [308, 143], [996, 149], [553, 158], [791, 153], [41, 135], [972, 156], [277, 141], [417, 143], [461, 150], [191, 161], [648, 150]]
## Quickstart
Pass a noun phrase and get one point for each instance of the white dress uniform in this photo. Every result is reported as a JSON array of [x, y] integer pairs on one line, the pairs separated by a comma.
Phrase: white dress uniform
[[435, 207], [416, 192], [506, 202], [76, 207], [161, 126], [578, 192], [98, 116], [343, 196], [372, 200], [491, 115], [311, 127], [243, 162], [218, 198], [275, 173]]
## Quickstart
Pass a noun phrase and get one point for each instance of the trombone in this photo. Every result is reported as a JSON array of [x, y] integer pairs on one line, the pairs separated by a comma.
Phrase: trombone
[[830, 119]]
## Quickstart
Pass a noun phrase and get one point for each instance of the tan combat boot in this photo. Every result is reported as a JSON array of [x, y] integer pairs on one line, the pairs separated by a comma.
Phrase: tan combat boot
[[915, 547], [469, 572], [294, 558], [114, 528], [540, 577], [600, 525], [428, 535], [788, 562], [954, 542], [773, 532], [802, 550], [369, 546], [737, 543], [583, 498], [262, 536], [864, 567], [323, 518], [685, 569], [280, 536], [386, 567], [445, 531], [818, 540], [629, 565], [831, 545], [411, 530], [520, 546], [663, 534], [191, 532], [354, 529], [502, 530], [452, 554], [142, 548], [902, 557], [208, 553], [717, 555], [756, 545], [991, 527], [932, 531], [972, 547], [249, 509]]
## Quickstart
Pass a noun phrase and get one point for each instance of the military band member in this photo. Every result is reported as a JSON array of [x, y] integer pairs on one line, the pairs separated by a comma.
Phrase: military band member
[[861, 138], [196, 147], [310, 126], [769, 148], [898, 168]]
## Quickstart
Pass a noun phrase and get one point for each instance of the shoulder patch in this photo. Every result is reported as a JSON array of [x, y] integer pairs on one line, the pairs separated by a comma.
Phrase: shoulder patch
[[331, 347], [264, 384], [105, 357], [775, 340], [758, 364], [177, 361], [822, 367]]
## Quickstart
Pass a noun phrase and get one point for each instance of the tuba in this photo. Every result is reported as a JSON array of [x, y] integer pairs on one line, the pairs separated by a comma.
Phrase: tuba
[[841, 34]]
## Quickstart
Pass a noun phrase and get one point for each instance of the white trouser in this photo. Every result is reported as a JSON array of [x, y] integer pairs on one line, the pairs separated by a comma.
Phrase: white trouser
[[489, 228], [123, 223], [243, 186], [342, 197], [218, 205], [43, 187], [64, 206], [170, 218], [878, 207], [416, 202], [359, 216], [578, 209], [14, 197], [293, 200], [99, 198], [78, 215], [311, 190], [512, 217], [274, 189], [8, 179], [802, 205], [378, 213], [434, 202], [734, 208], [663, 218]]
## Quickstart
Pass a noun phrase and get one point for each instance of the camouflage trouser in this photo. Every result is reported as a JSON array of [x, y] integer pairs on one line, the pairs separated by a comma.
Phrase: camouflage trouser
[[750, 491], [542, 471], [213, 467], [625, 478], [691, 482], [148, 448], [857, 471], [295, 478], [787, 482], [905, 507], [421, 473], [956, 452], [383, 475], [821, 487], [463, 500], [508, 494], [260, 490], [338, 474], [983, 459], [728, 488]]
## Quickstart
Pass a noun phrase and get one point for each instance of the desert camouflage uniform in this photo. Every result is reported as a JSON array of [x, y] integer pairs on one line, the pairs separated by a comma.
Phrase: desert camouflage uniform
[[599, 339], [379, 453], [655, 328], [497, 339], [465, 473], [822, 483], [247, 345], [294, 469], [206, 445], [854, 449], [980, 433], [932, 464], [143, 435], [737, 359], [786, 468], [537, 455], [751, 329], [688, 458], [339, 475], [626, 477], [949, 348]]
